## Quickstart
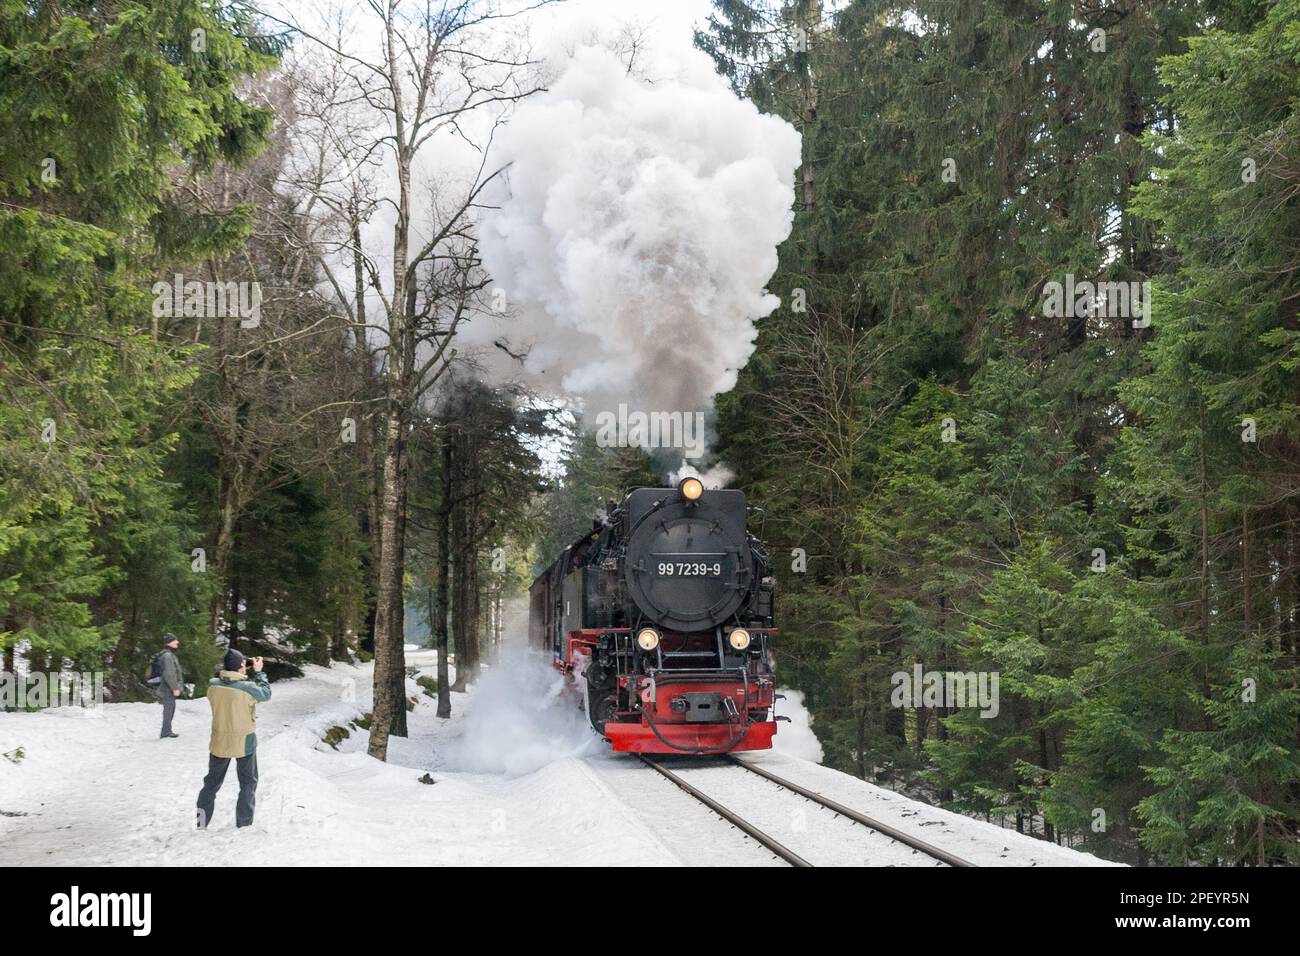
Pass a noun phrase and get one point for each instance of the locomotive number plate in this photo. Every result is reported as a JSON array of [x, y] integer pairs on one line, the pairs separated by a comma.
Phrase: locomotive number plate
[[689, 569], [688, 565]]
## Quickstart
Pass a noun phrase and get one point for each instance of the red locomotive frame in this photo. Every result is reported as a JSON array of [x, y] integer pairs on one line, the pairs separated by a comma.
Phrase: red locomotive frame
[[659, 728]]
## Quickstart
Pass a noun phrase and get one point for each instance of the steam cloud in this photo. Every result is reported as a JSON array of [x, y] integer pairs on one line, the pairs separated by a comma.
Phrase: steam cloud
[[633, 234], [521, 719]]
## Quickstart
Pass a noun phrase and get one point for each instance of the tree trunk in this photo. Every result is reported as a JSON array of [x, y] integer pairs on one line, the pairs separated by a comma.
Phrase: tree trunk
[[1246, 600], [459, 596], [1045, 759], [367, 643], [1205, 563], [444, 552], [388, 578], [370, 432], [339, 644], [221, 553], [1291, 614], [8, 666], [808, 108], [230, 480], [474, 625], [373, 521], [860, 750], [232, 622], [397, 606], [498, 626]]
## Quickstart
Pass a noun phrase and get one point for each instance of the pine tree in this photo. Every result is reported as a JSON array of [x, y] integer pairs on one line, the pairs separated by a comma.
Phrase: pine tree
[[99, 106], [1214, 452], [1225, 795]]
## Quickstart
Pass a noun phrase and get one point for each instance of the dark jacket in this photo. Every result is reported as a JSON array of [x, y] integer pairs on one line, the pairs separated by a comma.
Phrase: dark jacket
[[169, 667], [234, 701]]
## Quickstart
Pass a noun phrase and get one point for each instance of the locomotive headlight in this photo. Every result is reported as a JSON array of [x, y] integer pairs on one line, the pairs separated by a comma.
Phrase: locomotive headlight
[[647, 638], [691, 488], [739, 638]]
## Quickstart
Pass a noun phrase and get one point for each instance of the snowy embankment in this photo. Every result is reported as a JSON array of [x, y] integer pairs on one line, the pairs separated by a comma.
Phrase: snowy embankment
[[518, 778]]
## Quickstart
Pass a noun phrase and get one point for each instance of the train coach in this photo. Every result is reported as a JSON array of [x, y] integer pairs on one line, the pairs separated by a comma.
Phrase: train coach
[[662, 618]]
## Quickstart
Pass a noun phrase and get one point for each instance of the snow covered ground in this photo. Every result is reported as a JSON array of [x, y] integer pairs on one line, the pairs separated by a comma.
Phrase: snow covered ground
[[519, 779]]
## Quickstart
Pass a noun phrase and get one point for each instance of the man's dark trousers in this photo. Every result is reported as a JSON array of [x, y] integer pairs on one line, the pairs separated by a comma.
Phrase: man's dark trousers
[[169, 708], [246, 768]]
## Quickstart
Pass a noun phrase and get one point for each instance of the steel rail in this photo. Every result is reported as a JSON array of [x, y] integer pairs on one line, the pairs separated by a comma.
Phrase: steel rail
[[782, 851], [892, 832]]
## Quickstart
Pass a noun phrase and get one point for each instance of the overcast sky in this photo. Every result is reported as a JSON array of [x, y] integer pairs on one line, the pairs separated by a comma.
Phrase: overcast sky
[[670, 19]]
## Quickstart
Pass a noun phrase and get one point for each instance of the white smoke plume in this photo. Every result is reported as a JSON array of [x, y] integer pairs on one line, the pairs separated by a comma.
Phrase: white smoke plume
[[633, 233]]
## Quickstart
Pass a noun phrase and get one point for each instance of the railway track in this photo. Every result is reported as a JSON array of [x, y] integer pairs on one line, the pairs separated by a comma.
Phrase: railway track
[[780, 849], [777, 847]]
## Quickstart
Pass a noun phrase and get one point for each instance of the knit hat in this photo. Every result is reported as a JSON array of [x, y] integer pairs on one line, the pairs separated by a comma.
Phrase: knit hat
[[233, 660], [169, 638]]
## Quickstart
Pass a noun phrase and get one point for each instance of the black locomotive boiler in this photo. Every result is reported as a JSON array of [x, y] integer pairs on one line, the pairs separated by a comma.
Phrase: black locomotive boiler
[[662, 615]]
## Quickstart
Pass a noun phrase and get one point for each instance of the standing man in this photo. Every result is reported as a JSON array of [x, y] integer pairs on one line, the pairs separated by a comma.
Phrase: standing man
[[234, 699], [170, 683]]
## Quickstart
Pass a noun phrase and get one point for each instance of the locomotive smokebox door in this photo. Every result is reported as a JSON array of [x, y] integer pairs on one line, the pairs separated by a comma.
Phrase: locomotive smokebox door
[[687, 565]]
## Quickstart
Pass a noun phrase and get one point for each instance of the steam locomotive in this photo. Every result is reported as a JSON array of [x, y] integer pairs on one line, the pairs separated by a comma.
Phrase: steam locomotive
[[662, 616]]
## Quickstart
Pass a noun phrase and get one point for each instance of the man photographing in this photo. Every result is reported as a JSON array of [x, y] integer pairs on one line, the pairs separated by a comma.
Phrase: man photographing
[[234, 699]]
